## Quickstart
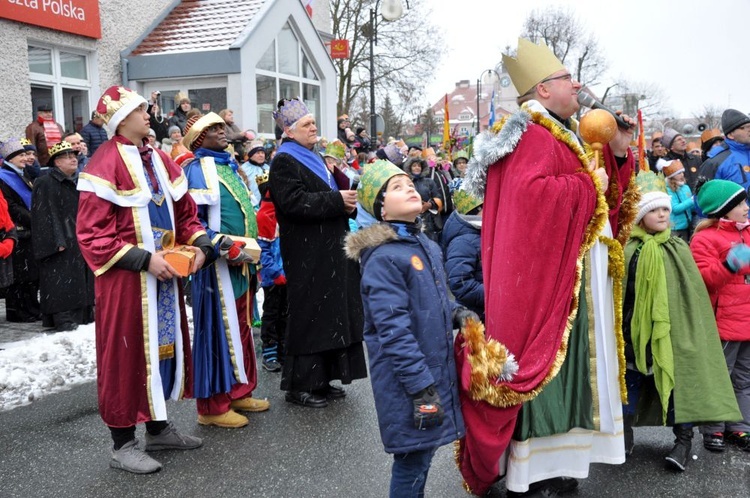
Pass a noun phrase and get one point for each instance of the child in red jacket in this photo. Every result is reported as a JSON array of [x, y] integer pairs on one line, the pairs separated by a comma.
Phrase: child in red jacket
[[721, 251]]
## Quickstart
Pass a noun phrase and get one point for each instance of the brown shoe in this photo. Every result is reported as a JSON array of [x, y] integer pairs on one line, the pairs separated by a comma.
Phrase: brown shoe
[[250, 405], [230, 419]]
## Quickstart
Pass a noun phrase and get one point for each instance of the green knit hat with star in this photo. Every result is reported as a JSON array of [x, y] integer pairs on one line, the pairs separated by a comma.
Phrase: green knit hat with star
[[465, 202], [373, 180], [717, 197]]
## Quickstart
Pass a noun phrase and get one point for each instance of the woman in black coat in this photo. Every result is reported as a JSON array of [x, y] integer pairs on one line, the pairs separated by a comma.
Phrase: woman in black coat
[[21, 298], [66, 283], [325, 325]]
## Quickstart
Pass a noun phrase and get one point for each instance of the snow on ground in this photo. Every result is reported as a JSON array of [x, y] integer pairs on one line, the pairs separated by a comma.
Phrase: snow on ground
[[49, 363], [46, 364], [53, 362]]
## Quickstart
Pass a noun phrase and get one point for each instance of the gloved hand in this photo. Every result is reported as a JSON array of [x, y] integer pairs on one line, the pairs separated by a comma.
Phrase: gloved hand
[[461, 314], [280, 280], [232, 250], [738, 257], [427, 410]]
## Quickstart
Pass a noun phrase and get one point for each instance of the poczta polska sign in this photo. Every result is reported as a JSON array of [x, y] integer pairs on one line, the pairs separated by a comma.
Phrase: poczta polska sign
[[80, 17]]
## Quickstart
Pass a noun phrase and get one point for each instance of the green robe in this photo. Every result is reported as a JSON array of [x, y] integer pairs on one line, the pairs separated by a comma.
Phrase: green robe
[[703, 391]]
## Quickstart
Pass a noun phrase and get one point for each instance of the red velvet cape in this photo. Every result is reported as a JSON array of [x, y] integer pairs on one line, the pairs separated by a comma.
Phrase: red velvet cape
[[538, 204]]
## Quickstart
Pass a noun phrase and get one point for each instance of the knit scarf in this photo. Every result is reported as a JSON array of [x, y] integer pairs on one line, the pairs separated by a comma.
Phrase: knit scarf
[[651, 313]]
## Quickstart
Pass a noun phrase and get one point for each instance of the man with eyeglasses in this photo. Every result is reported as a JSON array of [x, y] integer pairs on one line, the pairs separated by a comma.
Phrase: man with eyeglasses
[[550, 215], [736, 164]]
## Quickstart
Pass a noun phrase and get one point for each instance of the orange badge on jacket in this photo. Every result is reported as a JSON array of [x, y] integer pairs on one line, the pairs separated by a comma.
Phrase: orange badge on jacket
[[417, 263]]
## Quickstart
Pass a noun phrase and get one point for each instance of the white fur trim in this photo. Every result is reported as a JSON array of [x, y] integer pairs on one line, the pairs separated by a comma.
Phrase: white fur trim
[[490, 148], [123, 113]]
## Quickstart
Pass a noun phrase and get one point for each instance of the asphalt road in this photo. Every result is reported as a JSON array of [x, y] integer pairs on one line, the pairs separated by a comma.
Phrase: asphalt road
[[59, 447]]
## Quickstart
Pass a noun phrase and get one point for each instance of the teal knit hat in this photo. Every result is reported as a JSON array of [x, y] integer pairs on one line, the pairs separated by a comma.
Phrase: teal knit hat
[[717, 197]]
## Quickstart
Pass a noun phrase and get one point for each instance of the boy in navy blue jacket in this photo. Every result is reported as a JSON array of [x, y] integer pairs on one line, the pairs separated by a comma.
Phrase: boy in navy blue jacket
[[462, 235], [408, 328]]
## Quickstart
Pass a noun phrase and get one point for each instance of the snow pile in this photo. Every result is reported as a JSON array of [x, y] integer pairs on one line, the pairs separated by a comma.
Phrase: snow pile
[[46, 364]]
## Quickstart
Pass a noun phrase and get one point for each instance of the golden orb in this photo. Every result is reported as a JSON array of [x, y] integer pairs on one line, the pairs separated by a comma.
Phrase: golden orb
[[597, 127]]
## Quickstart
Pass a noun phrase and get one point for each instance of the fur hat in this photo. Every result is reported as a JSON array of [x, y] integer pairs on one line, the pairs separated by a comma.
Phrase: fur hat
[[116, 104], [733, 119], [11, 148], [668, 137], [196, 132], [372, 182], [57, 149], [717, 197]]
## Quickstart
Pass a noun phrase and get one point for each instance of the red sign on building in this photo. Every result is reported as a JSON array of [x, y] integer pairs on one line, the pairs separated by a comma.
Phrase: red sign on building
[[339, 49], [80, 17]]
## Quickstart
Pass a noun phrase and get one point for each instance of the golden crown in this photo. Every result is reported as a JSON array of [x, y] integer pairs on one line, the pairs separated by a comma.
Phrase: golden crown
[[261, 179], [59, 148]]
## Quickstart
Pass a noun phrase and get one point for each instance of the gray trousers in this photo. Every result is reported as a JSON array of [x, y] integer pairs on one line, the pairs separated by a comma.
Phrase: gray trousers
[[737, 354]]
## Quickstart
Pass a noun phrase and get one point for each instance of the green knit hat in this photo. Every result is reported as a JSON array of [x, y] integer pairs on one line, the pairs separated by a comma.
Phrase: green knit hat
[[717, 197], [465, 202], [373, 180]]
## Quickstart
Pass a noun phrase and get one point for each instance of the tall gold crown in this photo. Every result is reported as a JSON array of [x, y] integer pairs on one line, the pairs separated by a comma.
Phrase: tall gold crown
[[531, 65]]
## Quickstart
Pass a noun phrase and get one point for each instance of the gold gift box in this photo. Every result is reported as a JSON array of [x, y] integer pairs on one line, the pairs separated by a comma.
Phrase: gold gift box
[[251, 248], [182, 260]]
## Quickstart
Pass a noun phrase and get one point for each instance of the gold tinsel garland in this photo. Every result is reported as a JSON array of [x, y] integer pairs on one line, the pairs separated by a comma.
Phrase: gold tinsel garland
[[483, 384], [628, 210]]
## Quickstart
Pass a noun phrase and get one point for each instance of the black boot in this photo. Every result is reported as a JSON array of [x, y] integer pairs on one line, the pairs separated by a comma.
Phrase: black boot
[[628, 433], [678, 457]]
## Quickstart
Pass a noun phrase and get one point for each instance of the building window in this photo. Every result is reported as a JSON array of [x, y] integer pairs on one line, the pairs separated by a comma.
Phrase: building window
[[464, 116], [60, 78], [285, 71]]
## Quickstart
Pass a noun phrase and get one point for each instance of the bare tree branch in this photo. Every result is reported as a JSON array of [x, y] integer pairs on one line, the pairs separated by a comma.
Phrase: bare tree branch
[[407, 53]]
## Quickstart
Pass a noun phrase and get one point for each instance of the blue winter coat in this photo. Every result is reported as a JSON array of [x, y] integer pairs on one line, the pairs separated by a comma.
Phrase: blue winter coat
[[682, 207], [408, 332], [736, 167], [463, 261]]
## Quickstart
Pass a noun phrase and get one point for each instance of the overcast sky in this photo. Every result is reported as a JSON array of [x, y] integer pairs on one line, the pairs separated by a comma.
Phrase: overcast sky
[[697, 50]]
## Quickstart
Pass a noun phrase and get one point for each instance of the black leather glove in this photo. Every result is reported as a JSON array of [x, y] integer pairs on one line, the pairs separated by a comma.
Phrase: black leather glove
[[427, 410], [461, 314]]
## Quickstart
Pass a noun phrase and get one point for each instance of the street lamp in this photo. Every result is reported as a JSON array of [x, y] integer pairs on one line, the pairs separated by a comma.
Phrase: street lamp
[[479, 92], [392, 11]]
